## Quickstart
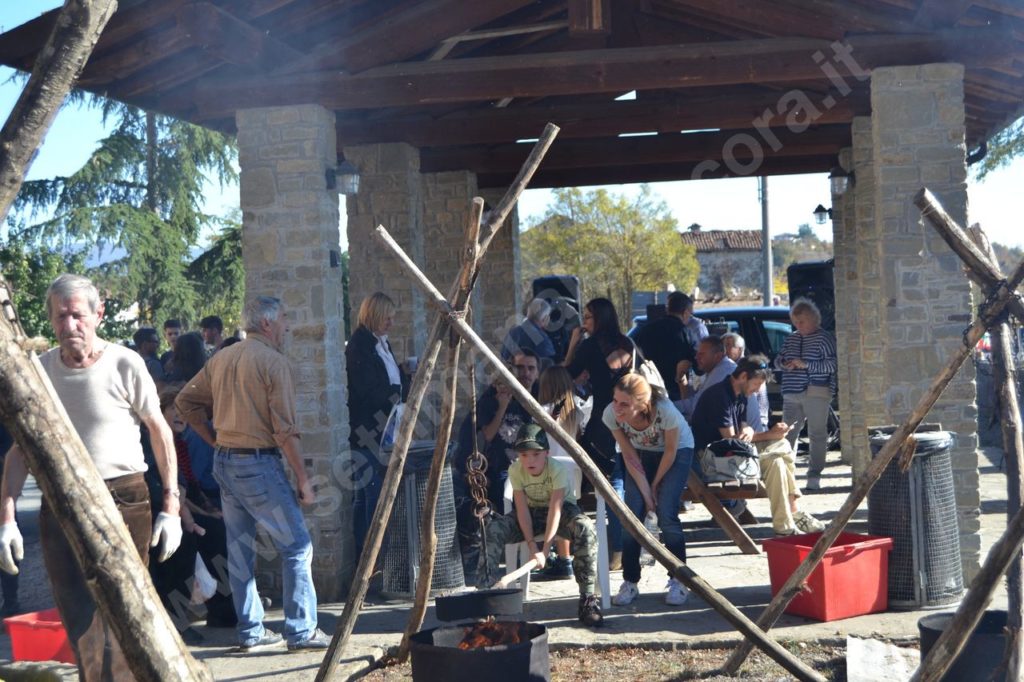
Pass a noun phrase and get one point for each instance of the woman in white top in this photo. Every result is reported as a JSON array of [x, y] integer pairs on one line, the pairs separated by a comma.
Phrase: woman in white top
[[657, 448]]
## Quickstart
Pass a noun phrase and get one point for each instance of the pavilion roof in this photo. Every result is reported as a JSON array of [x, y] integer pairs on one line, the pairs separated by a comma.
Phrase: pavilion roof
[[464, 80]]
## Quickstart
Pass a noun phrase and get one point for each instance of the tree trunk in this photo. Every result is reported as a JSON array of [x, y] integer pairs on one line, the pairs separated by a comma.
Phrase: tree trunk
[[58, 65], [81, 503]]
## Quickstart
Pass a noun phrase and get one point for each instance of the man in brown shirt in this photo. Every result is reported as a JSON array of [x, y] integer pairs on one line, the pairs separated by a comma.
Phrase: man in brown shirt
[[248, 387]]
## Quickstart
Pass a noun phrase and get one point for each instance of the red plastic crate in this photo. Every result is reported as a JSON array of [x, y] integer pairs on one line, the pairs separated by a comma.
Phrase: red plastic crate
[[39, 636], [851, 580]]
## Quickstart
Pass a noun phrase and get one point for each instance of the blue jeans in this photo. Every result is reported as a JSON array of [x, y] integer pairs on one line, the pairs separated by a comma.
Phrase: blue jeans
[[670, 492], [255, 490]]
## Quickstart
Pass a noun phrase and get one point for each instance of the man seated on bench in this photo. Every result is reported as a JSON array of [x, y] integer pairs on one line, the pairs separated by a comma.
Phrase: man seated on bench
[[721, 413]]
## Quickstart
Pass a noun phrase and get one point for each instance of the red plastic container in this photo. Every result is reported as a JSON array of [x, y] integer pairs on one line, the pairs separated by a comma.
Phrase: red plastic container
[[39, 636], [851, 580]]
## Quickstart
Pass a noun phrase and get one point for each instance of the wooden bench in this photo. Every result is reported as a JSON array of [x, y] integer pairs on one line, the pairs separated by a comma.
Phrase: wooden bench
[[711, 494]]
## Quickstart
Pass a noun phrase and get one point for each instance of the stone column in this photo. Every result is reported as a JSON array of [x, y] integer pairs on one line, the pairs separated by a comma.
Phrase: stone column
[[844, 273], [290, 228], [390, 194], [501, 293], [925, 303]]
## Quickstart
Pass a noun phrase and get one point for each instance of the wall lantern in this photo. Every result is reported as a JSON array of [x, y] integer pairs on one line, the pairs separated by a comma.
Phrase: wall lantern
[[840, 181], [344, 178], [820, 213]]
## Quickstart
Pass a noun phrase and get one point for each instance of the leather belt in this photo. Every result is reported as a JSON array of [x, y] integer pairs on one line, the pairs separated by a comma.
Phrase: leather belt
[[250, 451]]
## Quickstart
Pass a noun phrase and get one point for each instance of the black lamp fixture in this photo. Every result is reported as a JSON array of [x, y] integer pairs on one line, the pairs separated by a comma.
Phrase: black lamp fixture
[[344, 178], [840, 180], [821, 213]]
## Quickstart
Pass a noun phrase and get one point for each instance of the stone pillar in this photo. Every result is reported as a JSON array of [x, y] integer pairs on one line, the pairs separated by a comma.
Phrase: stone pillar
[[844, 274], [500, 290], [925, 303], [290, 227], [390, 195]]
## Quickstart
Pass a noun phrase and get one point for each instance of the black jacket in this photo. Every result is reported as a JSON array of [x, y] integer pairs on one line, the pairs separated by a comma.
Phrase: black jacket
[[664, 341], [371, 395]]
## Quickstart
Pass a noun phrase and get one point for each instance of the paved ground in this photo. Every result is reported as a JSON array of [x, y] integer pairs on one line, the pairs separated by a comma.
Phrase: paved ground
[[742, 579]]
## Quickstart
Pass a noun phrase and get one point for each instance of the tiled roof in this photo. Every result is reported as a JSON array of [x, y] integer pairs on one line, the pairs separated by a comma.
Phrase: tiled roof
[[723, 240]]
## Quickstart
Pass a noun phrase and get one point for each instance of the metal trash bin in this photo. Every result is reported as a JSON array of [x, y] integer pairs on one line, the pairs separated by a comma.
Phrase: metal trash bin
[[401, 550], [918, 511]]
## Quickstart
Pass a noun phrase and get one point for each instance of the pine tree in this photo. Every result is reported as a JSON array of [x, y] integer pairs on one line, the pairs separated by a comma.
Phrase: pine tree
[[138, 199]]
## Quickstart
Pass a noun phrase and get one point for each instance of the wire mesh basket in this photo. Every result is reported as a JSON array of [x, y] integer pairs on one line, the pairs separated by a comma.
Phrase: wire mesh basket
[[918, 511], [401, 555]]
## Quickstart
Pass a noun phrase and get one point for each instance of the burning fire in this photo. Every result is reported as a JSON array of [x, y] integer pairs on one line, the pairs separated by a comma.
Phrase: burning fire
[[491, 633]]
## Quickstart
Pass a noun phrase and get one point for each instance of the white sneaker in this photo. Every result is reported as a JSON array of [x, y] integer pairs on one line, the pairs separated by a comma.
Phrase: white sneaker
[[807, 523], [628, 592], [677, 593]]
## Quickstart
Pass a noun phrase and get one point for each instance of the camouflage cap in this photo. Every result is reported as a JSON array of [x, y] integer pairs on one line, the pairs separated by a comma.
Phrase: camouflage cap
[[531, 437]]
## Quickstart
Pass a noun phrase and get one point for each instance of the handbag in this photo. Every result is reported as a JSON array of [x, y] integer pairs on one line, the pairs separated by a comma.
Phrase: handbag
[[646, 368], [729, 459]]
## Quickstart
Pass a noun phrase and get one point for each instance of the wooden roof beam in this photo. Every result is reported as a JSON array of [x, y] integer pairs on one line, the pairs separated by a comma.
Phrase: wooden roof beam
[[941, 13], [614, 174], [229, 39], [587, 17], [489, 125], [422, 26], [611, 71], [733, 148]]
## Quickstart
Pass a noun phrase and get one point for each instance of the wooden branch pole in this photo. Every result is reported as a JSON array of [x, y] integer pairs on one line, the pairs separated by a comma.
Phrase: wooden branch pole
[[679, 570], [389, 488], [796, 582], [60, 62], [82, 505], [1004, 372], [980, 269], [428, 536]]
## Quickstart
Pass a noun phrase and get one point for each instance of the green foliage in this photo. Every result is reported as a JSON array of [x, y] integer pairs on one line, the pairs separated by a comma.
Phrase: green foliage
[[1008, 257], [616, 245], [138, 199], [797, 248], [29, 272], [218, 275], [1003, 148]]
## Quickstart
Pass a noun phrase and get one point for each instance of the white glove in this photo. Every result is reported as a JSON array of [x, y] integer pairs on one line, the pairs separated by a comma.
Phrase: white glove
[[166, 533], [12, 547]]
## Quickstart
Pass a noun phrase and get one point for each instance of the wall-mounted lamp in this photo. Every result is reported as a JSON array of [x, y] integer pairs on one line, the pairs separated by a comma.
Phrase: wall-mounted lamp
[[821, 213], [344, 178], [840, 181]]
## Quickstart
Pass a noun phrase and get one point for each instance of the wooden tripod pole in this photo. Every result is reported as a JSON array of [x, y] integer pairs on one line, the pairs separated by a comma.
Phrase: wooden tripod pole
[[428, 536], [1006, 553], [1002, 295], [1004, 371], [679, 570], [392, 478]]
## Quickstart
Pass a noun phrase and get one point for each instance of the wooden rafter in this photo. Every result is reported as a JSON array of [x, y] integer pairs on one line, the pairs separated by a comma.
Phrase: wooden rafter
[[614, 174], [941, 13], [675, 148], [587, 119], [589, 16], [230, 39], [612, 71], [418, 28]]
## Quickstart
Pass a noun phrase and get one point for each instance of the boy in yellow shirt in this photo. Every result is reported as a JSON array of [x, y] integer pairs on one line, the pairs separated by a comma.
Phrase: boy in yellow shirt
[[544, 498]]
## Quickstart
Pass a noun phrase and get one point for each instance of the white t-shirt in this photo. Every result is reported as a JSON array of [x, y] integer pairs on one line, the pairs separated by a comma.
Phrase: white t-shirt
[[666, 418], [106, 402]]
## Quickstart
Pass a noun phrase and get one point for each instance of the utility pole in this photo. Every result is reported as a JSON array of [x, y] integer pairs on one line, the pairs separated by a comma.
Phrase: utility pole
[[766, 242]]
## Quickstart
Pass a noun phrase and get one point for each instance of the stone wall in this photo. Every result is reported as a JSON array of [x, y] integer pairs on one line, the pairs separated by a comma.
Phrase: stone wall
[[290, 226], [918, 140], [845, 275], [723, 271], [500, 298], [390, 194]]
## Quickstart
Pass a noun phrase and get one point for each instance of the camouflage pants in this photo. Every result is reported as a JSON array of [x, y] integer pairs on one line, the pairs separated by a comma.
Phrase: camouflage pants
[[573, 525]]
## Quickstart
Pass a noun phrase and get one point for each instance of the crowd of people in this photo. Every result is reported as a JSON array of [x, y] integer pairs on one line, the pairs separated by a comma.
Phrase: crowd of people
[[195, 445]]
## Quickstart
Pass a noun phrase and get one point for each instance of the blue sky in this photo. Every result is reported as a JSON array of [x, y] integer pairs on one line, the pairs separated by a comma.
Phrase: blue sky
[[997, 203]]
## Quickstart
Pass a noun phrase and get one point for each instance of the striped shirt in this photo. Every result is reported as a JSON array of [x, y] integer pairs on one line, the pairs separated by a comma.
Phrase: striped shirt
[[818, 350]]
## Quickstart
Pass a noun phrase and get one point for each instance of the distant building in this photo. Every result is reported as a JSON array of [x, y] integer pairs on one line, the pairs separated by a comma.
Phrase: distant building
[[730, 260]]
